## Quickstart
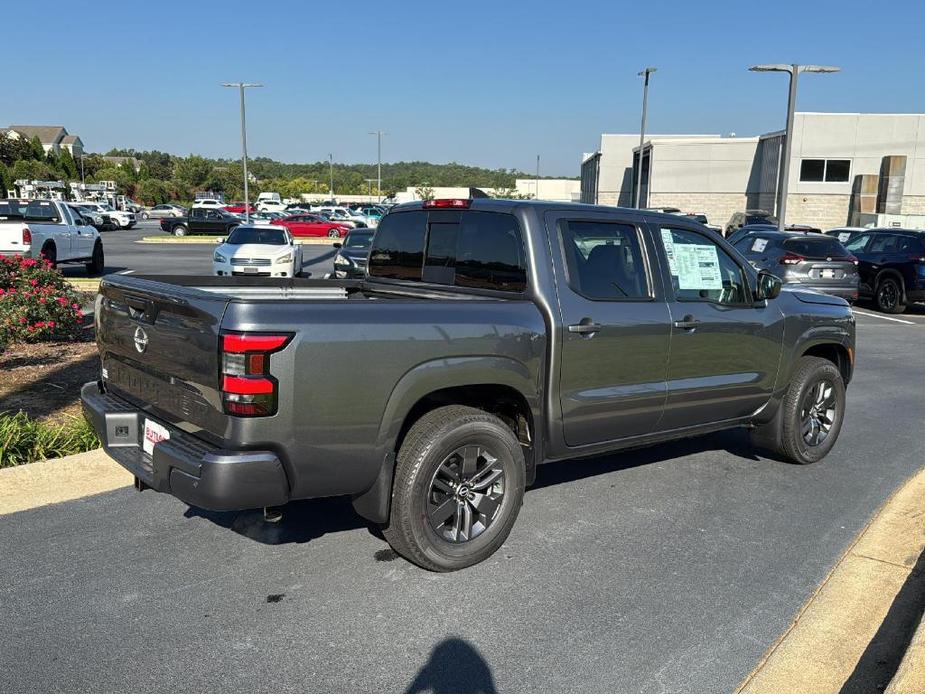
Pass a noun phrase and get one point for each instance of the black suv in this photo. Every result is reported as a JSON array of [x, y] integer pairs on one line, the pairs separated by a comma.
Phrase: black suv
[[740, 219], [892, 267], [813, 260]]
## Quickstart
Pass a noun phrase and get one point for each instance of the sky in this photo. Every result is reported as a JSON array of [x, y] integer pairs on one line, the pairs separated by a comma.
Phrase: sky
[[484, 83]]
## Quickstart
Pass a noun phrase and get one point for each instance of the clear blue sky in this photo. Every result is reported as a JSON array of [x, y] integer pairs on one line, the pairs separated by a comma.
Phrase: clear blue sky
[[486, 83]]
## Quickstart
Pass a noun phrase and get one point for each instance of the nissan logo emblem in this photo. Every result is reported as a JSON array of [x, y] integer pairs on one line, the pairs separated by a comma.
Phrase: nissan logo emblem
[[141, 340]]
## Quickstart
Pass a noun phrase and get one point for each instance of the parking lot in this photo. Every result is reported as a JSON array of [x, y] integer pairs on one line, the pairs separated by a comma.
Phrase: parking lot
[[669, 569]]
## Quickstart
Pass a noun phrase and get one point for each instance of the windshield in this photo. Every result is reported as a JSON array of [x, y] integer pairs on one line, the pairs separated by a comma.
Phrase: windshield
[[12, 209], [266, 237], [358, 241], [760, 219], [106, 208], [816, 247]]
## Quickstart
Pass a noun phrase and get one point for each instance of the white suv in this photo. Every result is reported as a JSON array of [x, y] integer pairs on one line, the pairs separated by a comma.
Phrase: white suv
[[121, 220]]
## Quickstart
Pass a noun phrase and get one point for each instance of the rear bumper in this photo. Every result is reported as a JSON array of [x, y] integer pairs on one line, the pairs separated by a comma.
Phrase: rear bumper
[[849, 293], [185, 466]]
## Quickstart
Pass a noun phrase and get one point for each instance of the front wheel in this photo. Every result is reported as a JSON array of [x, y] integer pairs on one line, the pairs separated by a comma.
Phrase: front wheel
[[810, 415], [333, 233], [144, 215], [180, 230], [458, 488], [889, 296], [97, 262]]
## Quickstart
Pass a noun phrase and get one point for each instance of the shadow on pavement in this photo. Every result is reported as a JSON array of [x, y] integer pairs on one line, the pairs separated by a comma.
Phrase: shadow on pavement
[[455, 667], [885, 651]]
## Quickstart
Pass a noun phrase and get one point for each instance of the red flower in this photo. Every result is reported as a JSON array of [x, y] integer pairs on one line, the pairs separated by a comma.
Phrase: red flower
[[50, 324], [34, 283], [62, 300]]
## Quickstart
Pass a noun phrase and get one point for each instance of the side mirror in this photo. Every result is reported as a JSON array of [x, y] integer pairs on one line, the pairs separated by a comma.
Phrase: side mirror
[[337, 244], [768, 286]]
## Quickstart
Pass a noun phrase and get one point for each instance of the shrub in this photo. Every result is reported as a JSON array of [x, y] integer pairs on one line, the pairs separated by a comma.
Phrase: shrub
[[36, 303], [27, 440]]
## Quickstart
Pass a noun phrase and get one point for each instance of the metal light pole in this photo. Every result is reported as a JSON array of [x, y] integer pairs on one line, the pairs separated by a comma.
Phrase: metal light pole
[[241, 86], [82, 169], [331, 166], [537, 196], [642, 128], [794, 71], [378, 134], [369, 183]]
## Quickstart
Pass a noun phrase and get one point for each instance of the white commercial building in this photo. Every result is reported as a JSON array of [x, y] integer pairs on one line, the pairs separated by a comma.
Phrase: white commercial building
[[844, 168]]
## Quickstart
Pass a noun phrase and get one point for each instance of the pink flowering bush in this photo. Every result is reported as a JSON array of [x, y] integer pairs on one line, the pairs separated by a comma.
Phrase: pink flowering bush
[[36, 303]]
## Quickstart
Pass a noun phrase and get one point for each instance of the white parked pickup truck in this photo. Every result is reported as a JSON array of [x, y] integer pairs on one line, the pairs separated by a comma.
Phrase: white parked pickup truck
[[49, 228]]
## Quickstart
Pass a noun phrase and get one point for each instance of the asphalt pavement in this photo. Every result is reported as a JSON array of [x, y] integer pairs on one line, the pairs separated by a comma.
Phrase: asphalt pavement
[[123, 252], [670, 569]]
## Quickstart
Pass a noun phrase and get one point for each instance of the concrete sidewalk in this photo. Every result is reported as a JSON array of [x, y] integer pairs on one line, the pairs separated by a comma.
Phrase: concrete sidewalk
[[853, 631], [60, 479]]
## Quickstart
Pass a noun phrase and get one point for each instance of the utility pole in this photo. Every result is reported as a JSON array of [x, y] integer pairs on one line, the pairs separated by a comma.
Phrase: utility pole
[[241, 86], [81, 170], [642, 129], [794, 71], [537, 196], [378, 134], [331, 165]]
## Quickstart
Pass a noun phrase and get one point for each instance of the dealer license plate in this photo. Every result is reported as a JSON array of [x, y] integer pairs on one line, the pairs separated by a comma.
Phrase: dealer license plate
[[154, 433]]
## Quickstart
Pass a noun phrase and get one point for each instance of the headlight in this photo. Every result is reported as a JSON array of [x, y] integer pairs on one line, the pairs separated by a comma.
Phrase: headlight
[[284, 258], [341, 260], [219, 258]]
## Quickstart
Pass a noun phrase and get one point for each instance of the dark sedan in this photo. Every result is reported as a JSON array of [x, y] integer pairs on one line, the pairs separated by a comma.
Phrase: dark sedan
[[813, 260], [350, 261]]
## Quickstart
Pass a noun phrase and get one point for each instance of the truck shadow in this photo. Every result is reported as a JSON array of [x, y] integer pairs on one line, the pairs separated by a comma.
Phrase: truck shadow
[[455, 666], [303, 521]]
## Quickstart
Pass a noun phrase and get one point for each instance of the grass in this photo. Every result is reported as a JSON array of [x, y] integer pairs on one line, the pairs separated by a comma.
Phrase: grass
[[27, 440]]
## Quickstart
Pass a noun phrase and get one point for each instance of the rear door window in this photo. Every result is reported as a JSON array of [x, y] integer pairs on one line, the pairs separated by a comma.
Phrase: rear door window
[[398, 251]]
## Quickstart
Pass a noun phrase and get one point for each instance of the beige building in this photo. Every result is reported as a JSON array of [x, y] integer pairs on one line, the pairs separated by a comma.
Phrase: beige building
[[842, 165], [53, 137]]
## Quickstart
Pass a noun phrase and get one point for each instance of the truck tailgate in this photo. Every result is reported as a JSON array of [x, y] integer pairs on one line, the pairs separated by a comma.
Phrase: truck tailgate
[[159, 346]]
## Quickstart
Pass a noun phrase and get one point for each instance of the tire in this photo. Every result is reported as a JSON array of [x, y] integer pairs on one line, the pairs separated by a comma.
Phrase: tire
[[145, 215], [180, 230], [333, 233], [428, 476], [97, 261], [115, 224], [815, 382], [51, 255], [889, 296]]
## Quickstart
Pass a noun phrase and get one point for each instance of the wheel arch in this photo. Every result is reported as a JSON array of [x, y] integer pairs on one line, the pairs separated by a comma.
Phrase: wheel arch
[[500, 386], [835, 352]]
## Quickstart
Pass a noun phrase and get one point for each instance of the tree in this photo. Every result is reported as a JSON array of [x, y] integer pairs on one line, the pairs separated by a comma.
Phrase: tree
[[30, 169], [153, 192], [6, 179], [424, 192], [38, 152], [192, 170], [12, 149], [67, 165]]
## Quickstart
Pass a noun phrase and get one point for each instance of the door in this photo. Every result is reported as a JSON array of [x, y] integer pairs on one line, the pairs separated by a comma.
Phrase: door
[[215, 222], [197, 221], [858, 247], [615, 335], [725, 347], [83, 238]]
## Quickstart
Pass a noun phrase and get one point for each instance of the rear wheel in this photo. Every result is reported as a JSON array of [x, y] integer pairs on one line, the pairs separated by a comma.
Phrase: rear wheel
[[889, 296], [810, 415], [333, 233], [144, 215], [180, 230], [50, 253], [459, 485], [97, 262]]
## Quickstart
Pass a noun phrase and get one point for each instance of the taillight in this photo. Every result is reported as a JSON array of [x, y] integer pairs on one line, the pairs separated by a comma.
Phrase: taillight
[[918, 259], [791, 259], [459, 203], [26, 236], [852, 259], [248, 389]]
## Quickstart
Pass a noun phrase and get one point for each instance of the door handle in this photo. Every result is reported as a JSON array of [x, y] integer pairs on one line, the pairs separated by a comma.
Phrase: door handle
[[588, 328], [687, 323]]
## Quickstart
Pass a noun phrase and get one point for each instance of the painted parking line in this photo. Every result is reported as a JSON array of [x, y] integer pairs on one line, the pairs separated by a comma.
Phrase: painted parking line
[[877, 315]]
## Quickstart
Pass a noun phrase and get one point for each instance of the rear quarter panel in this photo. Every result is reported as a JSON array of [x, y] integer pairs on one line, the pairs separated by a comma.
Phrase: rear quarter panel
[[355, 369]]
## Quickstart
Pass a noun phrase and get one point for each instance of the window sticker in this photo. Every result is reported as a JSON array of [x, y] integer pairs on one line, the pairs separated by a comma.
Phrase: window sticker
[[759, 245], [668, 243], [698, 267], [844, 236]]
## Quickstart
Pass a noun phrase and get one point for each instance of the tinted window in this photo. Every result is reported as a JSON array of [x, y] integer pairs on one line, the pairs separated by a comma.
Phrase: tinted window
[[910, 244], [812, 170], [754, 245], [358, 241], [490, 253], [884, 243], [857, 244], [837, 170], [398, 250], [604, 260], [269, 237], [701, 270], [816, 247], [40, 211], [11, 209]]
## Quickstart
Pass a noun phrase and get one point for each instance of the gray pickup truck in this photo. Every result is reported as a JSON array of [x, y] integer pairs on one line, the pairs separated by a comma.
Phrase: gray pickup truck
[[488, 336]]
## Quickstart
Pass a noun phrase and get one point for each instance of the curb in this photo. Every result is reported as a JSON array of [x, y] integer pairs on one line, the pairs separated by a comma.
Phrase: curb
[[61, 479], [205, 240], [910, 677], [852, 630]]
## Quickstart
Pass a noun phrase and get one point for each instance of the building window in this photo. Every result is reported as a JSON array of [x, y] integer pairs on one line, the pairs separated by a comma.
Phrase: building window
[[825, 170]]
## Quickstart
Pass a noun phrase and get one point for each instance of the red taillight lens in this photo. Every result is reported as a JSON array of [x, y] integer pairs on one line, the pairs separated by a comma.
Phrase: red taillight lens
[[852, 259], [248, 389], [918, 259], [26, 236], [792, 259], [459, 203]]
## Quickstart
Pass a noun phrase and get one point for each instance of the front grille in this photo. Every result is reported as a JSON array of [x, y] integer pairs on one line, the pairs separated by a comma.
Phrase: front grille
[[257, 262], [250, 274]]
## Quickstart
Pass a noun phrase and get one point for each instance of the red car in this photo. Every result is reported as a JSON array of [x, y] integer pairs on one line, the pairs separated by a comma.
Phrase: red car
[[238, 208], [312, 225]]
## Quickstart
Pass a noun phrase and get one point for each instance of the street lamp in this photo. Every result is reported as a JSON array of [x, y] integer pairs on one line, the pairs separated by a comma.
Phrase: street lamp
[[378, 134], [241, 86], [369, 183], [537, 196], [331, 166], [642, 129], [794, 71]]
